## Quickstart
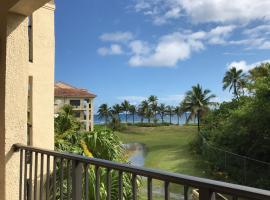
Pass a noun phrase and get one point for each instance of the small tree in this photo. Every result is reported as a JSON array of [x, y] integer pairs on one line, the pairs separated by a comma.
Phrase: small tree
[[65, 120], [162, 111], [104, 112], [125, 107], [132, 110], [179, 113], [234, 80], [170, 112], [116, 110], [197, 102], [153, 102]]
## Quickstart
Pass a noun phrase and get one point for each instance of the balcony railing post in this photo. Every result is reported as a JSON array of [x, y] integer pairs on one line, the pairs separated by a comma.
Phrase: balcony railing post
[[205, 194], [76, 180]]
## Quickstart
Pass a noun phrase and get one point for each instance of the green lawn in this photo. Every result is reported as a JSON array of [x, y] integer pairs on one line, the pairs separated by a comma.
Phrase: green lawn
[[167, 148]]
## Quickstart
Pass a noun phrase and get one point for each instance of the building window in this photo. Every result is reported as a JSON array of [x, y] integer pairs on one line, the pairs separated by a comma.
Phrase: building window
[[29, 110], [75, 103], [30, 37], [77, 114]]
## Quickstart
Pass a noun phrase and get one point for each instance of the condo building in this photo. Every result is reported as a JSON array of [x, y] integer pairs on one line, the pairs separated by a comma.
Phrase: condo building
[[80, 99]]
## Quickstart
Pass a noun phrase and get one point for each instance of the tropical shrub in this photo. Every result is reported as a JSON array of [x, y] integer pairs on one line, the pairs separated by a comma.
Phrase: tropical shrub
[[242, 127], [103, 144], [66, 121]]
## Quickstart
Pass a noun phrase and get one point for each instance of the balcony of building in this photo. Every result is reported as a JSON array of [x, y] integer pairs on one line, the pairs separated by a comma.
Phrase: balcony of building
[[46, 174]]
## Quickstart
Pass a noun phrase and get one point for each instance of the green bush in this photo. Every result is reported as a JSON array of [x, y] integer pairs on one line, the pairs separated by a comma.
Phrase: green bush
[[103, 144], [242, 127], [115, 124], [152, 124]]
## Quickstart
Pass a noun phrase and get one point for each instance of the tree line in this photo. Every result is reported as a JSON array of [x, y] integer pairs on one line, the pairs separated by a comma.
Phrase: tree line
[[241, 126], [195, 104]]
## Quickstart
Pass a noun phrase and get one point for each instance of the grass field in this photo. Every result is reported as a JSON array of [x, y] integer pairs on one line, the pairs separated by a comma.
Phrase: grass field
[[167, 149]]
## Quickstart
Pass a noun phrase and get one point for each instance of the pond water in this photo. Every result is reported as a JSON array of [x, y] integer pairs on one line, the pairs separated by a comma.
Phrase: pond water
[[136, 153], [136, 156]]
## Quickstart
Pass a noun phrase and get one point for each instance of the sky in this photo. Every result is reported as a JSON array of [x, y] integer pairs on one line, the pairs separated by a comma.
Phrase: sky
[[131, 49]]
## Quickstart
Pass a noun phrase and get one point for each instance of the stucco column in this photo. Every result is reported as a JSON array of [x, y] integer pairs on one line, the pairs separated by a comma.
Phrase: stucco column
[[92, 114], [87, 117], [13, 100], [2, 101]]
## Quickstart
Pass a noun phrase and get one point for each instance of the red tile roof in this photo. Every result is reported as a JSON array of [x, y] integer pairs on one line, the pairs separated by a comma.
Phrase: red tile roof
[[65, 90]]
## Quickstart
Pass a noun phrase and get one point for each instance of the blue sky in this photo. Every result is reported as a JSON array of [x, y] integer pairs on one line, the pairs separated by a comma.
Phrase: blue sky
[[130, 49]]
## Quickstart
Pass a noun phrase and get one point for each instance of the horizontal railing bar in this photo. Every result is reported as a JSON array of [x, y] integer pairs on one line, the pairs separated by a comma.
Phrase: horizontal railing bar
[[216, 186]]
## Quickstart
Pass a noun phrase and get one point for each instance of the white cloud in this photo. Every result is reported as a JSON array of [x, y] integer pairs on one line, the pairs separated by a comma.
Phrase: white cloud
[[169, 50], [116, 37], [257, 31], [175, 47], [252, 43], [218, 34], [114, 49], [226, 11], [201, 11], [139, 47], [243, 65]]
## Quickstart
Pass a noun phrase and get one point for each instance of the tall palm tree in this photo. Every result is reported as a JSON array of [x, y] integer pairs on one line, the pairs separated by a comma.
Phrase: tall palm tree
[[104, 112], [141, 113], [132, 110], [116, 110], [170, 112], [146, 109], [197, 101], [125, 107], [234, 80], [179, 112], [153, 101], [184, 110], [162, 111]]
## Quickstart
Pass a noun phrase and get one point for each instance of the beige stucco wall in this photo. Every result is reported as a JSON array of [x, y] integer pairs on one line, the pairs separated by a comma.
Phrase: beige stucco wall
[[42, 71], [14, 102], [14, 72], [2, 98]]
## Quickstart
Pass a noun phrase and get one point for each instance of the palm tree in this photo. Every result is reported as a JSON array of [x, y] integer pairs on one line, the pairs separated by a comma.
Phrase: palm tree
[[162, 111], [104, 112], [116, 110], [67, 110], [125, 107], [184, 110], [153, 100], [149, 115], [179, 112], [146, 109], [197, 101], [234, 79], [132, 110], [170, 112], [66, 120], [141, 113]]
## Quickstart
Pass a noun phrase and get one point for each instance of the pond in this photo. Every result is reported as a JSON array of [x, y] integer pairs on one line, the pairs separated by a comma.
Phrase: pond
[[136, 156], [136, 153]]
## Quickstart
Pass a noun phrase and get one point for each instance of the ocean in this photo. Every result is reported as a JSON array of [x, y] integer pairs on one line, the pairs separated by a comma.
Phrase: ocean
[[137, 119]]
